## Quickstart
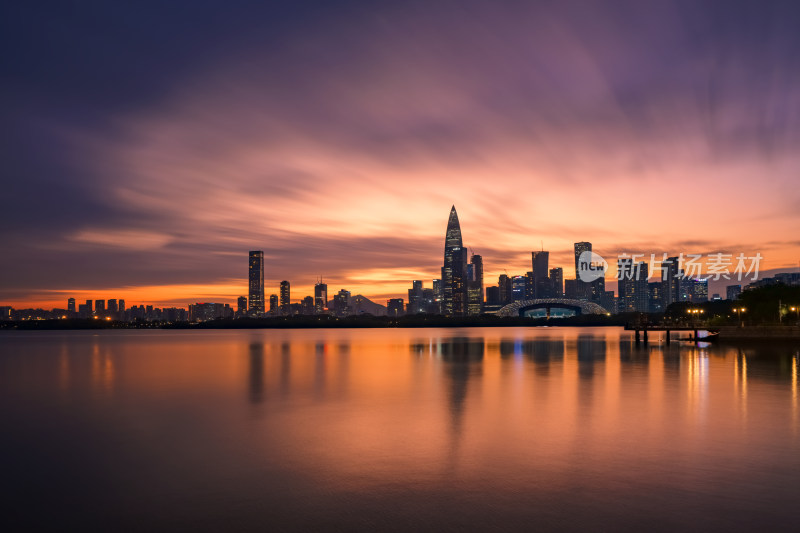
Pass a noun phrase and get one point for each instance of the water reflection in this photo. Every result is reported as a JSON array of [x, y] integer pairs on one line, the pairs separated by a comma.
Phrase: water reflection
[[456, 423], [256, 372], [462, 359], [590, 350]]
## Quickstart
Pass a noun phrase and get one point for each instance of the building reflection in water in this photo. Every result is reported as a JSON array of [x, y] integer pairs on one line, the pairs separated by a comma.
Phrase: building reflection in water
[[256, 372], [462, 358], [740, 381], [591, 350], [795, 357], [697, 378], [541, 352]]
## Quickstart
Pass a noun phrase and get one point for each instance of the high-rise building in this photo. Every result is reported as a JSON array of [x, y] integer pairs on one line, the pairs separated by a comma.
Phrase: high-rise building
[[241, 306], [256, 286], [121, 306], [656, 297], [685, 287], [341, 303], [571, 289], [506, 294], [580, 247], [320, 297], [71, 305], [475, 286], [100, 308], [699, 291], [112, 306], [583, 290], [540, 269], [530, 286], [493, 295], [438, 295], [626, 285], [670, 281], [609, 302], [274, 309], [429, 302], [415, 301], [394, 307], [285, 297], [732, 292], [557, 282], [307, 306], [642, 288], [454, 270], [519, 286], [632, 286]]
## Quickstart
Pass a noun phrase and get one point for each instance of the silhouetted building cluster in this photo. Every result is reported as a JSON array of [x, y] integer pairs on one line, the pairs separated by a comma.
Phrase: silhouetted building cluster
[[459, 292]]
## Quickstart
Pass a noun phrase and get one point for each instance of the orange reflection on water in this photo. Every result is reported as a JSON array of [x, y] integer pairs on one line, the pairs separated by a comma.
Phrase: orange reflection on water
[[425, 405]]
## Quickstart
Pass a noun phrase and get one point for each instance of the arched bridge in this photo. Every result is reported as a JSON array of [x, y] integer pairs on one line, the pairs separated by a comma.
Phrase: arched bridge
[[580, 307]]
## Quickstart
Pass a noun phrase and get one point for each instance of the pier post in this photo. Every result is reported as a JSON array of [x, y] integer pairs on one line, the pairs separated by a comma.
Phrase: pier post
[[638, 336], [667, 333]]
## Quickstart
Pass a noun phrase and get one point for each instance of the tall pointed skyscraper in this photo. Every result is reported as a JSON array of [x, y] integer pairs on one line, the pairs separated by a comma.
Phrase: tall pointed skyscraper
[[454, 271]]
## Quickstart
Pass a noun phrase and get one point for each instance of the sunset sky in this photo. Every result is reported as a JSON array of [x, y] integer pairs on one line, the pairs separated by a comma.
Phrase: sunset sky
[[147, 147]]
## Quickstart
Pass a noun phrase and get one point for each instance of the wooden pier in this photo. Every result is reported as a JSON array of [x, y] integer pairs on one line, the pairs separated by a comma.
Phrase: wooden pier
[[641, 331]]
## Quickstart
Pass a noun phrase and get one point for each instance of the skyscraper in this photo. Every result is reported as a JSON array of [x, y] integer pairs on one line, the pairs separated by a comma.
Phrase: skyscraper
[[454, 271], [273, 304], [285, 297], [541, 281], [475, 286], [415, 303], [341, 303], [557, 282], [626, 285], [642, 288], [582, 289], [308, 306], [241, 306], [256, 276], [320, 297], [580, 247], [632, 286], [699, 290], [670, 281], [519, 286], [71, 305], [506, 294], [438, 295], [656, 297]]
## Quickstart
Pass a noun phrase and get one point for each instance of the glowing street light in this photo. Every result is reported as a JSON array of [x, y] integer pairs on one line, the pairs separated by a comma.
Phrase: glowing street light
[[739, 311]]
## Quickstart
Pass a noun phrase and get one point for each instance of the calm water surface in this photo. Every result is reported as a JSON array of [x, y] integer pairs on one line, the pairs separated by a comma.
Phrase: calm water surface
[[396, 429]]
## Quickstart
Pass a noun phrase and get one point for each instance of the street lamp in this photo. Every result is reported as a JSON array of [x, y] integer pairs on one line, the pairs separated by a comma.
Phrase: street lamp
[[694, 313], [796, 309], [739, 311]]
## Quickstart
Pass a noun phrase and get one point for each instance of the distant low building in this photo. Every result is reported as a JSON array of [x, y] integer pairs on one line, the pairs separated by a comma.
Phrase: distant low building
[[201, 312], [394, 307], [732, 292]]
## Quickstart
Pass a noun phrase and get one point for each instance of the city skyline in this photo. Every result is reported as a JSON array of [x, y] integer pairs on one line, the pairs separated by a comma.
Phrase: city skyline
[[333, 149], [641, 287], [257, 285]]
